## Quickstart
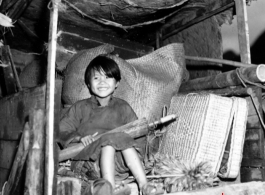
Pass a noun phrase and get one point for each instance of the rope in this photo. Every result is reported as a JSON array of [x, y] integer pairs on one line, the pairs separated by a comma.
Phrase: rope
[[251, 93], [244, 80]]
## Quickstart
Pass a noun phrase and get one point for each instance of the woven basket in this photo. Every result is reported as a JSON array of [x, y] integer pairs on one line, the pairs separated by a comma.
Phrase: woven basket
[[147, 83], [201, 131]]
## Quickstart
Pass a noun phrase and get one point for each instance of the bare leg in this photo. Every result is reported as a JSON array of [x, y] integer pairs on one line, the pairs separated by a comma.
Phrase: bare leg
[[107, 164], [134, 164]]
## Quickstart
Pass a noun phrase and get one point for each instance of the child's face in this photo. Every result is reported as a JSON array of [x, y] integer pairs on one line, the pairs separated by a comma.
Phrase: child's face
[[102, 85]]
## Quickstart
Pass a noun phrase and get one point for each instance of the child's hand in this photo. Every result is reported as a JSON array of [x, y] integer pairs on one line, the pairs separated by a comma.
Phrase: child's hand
[[88, 139]]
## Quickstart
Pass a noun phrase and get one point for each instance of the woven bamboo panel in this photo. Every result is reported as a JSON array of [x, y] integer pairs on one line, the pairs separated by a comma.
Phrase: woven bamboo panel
[[201, 131]]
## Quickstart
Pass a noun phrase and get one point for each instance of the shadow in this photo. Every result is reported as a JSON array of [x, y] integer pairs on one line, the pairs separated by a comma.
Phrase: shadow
[[257, 50], [230, 55]]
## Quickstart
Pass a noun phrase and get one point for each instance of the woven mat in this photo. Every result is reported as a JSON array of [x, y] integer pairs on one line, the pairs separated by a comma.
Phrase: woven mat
[[201, 131], [147, 83]]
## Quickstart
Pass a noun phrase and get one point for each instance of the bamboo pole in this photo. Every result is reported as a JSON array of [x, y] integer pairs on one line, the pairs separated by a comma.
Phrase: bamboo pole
[[218, 61], [35, 162], [135, 129], [255, 74], [243, 32], [18, 164], [50, 92]]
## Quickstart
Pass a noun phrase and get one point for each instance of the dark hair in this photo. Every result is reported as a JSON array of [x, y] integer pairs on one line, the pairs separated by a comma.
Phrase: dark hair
[[105, 64]]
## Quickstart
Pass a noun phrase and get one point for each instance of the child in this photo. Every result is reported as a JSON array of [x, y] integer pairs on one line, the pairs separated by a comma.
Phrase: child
[[99, 114]]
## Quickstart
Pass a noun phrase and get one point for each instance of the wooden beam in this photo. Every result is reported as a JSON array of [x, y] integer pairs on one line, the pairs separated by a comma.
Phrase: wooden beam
[[243, 32]]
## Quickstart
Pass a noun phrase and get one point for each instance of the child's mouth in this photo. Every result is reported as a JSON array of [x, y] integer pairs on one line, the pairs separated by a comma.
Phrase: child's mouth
[[103, 88]]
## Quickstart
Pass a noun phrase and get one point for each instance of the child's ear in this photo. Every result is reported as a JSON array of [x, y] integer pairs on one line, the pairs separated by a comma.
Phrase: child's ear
[[117, 84]]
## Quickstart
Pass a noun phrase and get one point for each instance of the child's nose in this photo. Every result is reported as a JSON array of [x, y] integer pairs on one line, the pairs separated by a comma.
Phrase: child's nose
[[102, 79]]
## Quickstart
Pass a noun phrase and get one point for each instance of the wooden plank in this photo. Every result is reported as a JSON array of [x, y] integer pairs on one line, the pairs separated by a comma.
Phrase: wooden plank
[[252, 174], [250, 188], [35, 160], [8, 151], [243, 32], [252, 146], [17, 166], [15, 111]]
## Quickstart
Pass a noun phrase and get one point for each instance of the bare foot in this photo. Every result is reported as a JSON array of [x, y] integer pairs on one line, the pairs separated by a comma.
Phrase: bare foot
[[122, 189], [152, 189]]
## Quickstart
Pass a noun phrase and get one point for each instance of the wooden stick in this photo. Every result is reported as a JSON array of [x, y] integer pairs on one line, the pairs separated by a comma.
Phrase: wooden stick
[[35, 162], [135, 129], [50, 92], [18, 164], [14, 68], [255, 74], [9, 86]]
